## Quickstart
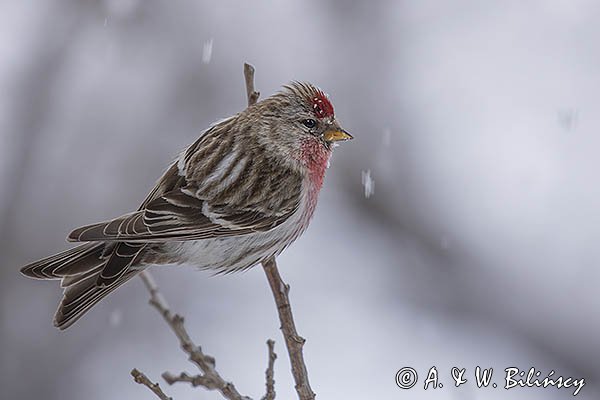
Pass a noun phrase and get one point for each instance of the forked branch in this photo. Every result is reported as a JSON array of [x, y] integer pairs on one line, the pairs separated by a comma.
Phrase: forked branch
[[293, 341]]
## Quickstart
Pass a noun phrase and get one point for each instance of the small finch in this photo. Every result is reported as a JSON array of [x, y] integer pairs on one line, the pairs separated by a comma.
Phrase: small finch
[[240, 194]]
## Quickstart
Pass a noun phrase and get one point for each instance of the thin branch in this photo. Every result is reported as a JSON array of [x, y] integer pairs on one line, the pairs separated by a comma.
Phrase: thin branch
[[293, 341], [270, 372], [210, 378], [252, 94], [142, 379], [196, 380]]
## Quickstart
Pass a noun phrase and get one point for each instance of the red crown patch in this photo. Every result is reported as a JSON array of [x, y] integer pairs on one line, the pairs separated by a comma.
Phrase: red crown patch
[[322, 106]]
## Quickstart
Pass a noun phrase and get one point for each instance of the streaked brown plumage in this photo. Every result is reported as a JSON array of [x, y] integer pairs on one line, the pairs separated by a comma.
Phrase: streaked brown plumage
[[241, 193]]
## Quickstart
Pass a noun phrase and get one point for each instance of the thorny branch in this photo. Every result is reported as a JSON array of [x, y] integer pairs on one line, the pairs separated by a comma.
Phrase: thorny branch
[[210, 378]]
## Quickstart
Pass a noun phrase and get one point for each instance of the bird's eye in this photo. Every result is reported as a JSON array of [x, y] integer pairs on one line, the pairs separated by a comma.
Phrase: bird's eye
[[309, 123]]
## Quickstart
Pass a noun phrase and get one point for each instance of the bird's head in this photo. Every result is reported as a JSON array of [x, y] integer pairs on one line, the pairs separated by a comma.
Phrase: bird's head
[[300, 122]]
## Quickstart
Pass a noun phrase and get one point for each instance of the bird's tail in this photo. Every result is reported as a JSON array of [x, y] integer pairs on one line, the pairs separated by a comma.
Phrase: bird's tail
[[78, 269]]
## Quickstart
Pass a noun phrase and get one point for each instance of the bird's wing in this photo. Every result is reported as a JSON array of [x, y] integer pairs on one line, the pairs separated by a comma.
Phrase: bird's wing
[[223, 185], [177, 216]]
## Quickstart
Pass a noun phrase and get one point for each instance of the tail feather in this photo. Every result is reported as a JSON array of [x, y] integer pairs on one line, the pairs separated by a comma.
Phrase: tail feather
[[83, 295], [74, 261], [71, 280], [80, 269]]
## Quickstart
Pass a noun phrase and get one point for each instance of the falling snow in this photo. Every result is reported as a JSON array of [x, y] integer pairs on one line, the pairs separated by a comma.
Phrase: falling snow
[[368, 183], [387, 137], [115, 317], [207, 51], [567, 118]]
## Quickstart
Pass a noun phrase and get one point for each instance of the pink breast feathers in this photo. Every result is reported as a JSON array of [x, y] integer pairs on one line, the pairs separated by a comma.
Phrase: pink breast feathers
[[316, 159]]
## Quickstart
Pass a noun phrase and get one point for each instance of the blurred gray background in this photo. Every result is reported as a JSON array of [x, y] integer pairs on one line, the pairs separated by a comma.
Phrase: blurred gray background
[[477, 123]]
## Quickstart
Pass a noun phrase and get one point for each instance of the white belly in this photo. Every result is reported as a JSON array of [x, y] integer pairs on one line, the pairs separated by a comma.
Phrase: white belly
[[235, 253]]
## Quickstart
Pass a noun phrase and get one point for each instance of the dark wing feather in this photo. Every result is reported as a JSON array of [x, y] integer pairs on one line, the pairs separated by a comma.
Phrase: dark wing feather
[[180, 216], [223, 187]]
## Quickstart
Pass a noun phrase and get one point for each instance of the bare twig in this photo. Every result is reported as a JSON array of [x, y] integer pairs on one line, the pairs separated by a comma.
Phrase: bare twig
[[196, 380], [142, 379], [252, 94], [293, 341], [210, 378], [280, 290], [270, 394]]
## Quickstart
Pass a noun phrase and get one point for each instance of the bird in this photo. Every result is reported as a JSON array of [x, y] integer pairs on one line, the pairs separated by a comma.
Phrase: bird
[[240, 194]]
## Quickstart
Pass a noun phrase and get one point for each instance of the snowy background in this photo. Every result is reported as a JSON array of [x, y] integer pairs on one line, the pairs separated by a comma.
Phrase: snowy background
[[477, 122]]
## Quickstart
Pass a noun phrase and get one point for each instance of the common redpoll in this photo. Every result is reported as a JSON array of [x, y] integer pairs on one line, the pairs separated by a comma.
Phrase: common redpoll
[[242, 193]]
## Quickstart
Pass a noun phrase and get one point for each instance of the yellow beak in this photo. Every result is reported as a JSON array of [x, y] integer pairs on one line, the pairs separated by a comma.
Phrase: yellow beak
[[338, 135]]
